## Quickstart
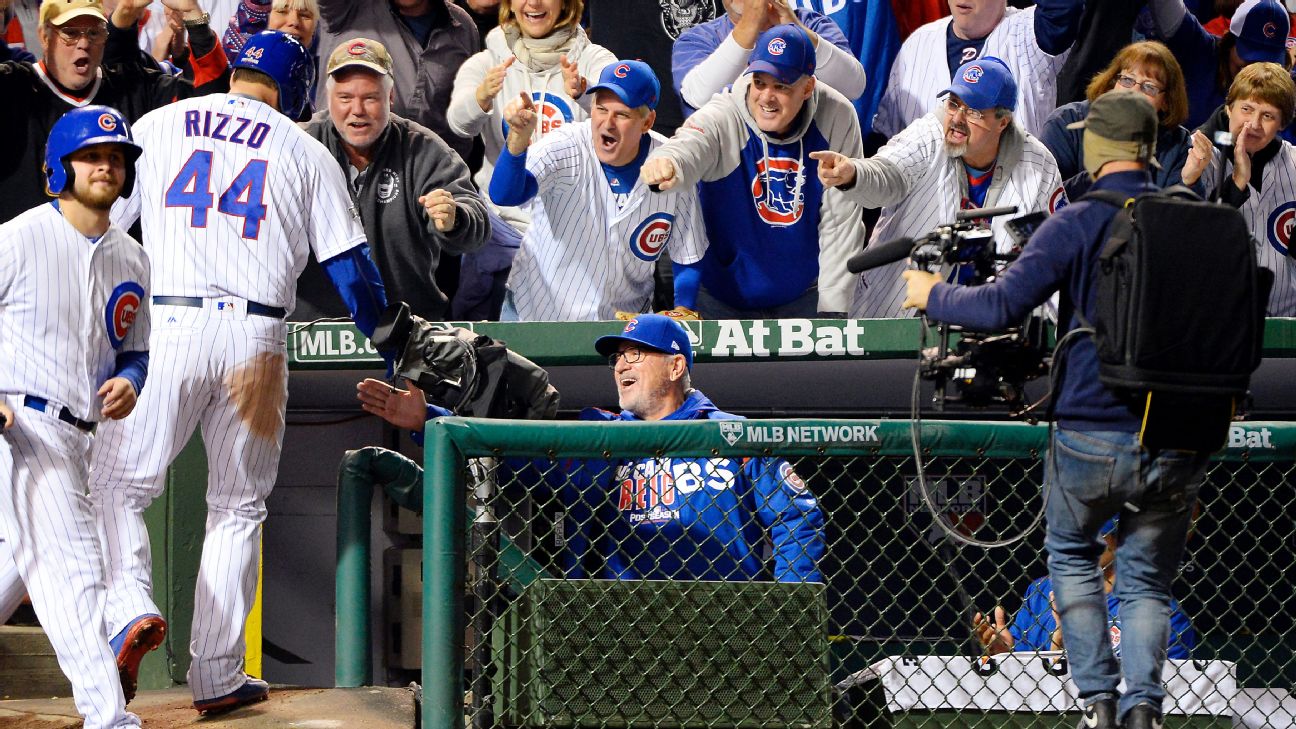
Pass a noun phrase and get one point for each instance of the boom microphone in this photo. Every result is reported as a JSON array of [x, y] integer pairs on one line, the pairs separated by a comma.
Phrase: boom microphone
[[880, 255], [985, 212]]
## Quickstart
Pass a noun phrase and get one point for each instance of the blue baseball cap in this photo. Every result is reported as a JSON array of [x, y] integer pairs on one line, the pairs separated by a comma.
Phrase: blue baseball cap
[[655, 331], [1261, 27], [784, 52], [633, 82], [984, 83]]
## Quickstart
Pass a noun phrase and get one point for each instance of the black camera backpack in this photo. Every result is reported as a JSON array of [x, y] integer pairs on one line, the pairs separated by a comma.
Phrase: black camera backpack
[[1180, 312]]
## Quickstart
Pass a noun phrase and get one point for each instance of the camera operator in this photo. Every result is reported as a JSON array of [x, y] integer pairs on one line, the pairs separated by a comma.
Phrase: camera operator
[[1097, 466]]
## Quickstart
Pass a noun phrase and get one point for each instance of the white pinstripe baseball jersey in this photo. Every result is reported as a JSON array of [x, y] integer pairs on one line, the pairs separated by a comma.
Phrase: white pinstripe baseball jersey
[[234, 199], [1025, 175], [590, 252], [921, 71], [1270, 214], [69, 306]]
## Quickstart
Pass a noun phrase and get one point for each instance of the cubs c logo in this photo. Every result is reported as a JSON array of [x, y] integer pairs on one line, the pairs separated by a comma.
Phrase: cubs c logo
[[1057, 200], [630, 326], [108, 122], [790, 477], [1270, 30], [621, 71], [973, 74], [648, 240], [119, 315], [553, 112], [776, 47], [1114, 632], [357, 49], [1279, 229], [776, 190]]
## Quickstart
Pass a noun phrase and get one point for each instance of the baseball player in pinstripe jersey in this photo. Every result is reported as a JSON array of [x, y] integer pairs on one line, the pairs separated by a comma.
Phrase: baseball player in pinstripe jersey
[[74, 318], [596, 230], [1261, 172], [233, 197], [971, 154], [1034, 42]]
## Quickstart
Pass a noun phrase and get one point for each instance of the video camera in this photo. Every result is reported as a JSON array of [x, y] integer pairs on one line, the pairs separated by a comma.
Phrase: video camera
[[471, 374], [986, 368]]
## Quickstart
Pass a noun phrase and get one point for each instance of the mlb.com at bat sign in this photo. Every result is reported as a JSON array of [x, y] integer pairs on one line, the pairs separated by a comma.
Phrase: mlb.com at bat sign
[[329, 343], [785, 338]]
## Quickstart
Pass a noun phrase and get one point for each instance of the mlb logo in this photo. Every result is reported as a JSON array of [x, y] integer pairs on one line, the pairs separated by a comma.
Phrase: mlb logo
[[972, 74], [731, 431]]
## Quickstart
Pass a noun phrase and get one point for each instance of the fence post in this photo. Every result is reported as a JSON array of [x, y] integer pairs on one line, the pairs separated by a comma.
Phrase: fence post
[[353, 646], [443, 579]]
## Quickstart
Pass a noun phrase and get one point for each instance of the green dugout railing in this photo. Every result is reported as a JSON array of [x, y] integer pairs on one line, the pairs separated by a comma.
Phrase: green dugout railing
[[1258, 455]]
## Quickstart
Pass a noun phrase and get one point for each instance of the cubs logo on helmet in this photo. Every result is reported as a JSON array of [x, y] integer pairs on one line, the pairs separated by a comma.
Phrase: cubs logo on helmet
[[108, 122], [776, 190], [119, 314], [648, 240], [1279, 229], [777, 46], [972, 74], [1057, 200]]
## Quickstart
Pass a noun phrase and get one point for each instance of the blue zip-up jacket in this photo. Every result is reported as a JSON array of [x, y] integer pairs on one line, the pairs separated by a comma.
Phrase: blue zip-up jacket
[[1032, 628], [1067, 145], [688, 518], [1062, 255]]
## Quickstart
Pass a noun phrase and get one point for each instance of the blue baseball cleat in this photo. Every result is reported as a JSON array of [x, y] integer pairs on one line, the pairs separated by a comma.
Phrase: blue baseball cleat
[[252, 691]]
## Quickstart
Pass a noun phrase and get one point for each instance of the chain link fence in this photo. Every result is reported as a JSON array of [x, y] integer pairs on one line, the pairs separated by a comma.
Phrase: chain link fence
[[792, 574]]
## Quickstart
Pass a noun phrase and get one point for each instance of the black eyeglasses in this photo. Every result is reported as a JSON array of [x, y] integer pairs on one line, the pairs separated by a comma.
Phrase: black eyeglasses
[[631, 355], [1147, 87]]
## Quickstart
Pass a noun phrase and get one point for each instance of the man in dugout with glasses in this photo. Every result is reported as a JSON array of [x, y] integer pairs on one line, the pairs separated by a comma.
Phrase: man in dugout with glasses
[[658, 518]]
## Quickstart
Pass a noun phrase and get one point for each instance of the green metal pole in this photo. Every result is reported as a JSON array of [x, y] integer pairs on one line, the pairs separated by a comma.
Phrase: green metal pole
[[443, 580], [353, 646]]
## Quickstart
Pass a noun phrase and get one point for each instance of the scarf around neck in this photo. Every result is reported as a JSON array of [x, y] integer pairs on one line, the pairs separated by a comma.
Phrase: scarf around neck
[[541, 54]]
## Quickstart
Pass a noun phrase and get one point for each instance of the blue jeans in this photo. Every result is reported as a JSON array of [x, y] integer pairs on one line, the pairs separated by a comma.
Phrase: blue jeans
[[1095, 476]]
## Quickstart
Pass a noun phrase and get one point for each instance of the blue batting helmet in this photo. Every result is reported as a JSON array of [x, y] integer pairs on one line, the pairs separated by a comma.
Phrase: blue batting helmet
[[283, 58], [81, 128]]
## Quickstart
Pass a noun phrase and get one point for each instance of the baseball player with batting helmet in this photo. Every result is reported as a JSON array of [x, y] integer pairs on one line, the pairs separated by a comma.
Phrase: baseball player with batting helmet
[[74, 302], [234, 196]]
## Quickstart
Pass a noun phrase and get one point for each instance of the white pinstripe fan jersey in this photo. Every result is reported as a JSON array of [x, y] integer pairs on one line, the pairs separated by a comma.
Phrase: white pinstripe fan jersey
[[921, 71], [233, 196], [1025, 175], [1270, 213], [590, 252], [67, 307]]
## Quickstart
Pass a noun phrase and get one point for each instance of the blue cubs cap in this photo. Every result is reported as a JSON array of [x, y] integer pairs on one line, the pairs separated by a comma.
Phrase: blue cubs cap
[[984, 83], [633, 82], [1261, 27], [657, 332], [784, 52]]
